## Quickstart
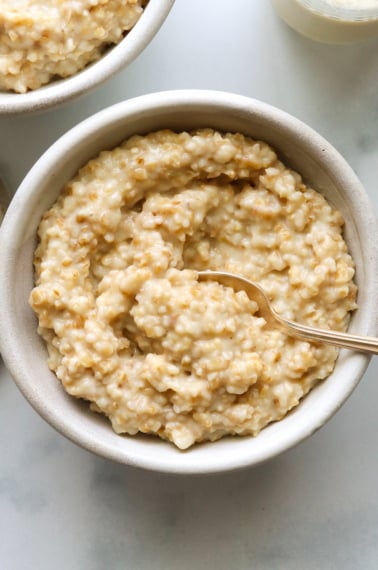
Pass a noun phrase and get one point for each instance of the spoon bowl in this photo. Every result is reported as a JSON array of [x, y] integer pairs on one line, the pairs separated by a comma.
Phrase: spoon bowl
[[273, 319]]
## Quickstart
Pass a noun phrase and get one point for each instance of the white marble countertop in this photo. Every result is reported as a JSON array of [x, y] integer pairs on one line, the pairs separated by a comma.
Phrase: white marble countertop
[[315, 507]]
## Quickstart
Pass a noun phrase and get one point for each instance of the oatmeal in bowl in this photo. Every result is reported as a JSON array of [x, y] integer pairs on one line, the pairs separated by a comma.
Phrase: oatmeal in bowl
[[51, 52], [127, 324], [148, 193]]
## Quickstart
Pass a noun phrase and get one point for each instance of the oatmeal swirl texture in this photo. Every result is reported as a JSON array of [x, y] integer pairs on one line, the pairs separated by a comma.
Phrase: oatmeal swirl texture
[[42, 40], [128, 326]]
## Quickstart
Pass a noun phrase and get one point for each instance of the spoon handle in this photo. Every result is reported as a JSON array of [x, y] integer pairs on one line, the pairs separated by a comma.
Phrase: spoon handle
[[345, 340]]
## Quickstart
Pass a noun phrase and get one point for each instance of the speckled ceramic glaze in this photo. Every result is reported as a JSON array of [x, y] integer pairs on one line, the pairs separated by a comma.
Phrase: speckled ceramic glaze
[[114, 60], [25, 354]]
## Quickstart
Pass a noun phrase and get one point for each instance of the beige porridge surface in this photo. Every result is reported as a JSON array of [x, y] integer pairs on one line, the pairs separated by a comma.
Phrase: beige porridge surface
[[127, 325], [41, 41]]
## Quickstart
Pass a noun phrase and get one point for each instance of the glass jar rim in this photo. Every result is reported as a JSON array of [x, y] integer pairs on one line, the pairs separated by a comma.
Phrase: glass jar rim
[[339, 12]]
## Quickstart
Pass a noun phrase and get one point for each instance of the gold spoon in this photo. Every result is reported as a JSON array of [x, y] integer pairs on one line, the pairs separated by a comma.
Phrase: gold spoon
[[272, 318]]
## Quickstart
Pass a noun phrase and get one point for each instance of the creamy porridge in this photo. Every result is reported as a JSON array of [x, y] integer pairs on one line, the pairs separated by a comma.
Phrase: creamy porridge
[[41, 40], [128, 326]]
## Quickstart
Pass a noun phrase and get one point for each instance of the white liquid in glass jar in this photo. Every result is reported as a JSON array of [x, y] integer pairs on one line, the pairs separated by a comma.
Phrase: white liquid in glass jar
[[331, 21]]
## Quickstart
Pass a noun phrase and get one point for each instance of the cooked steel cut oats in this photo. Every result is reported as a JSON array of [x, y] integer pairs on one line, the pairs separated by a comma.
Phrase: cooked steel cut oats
[[40, 41], [128, 326]]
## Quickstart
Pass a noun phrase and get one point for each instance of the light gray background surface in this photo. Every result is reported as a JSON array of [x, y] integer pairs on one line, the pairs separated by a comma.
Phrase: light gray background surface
[[315, 507]]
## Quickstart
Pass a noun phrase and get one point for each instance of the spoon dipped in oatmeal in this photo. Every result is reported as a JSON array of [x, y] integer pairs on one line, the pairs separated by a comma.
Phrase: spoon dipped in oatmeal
[[272, 318]]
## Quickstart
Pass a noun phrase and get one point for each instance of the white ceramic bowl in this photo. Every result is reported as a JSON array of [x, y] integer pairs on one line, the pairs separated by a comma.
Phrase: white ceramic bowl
[[115, 59], [25, 354]]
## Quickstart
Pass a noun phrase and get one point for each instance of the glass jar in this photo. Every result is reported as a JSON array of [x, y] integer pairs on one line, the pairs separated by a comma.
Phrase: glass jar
[[331, 21]]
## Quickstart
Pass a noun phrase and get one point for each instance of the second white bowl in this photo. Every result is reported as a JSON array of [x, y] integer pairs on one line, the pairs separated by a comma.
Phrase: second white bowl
[[114, 60]]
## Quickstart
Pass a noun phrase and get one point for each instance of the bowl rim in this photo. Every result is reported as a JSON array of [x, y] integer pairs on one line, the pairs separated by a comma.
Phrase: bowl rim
[[114, 60], [158, 103]]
